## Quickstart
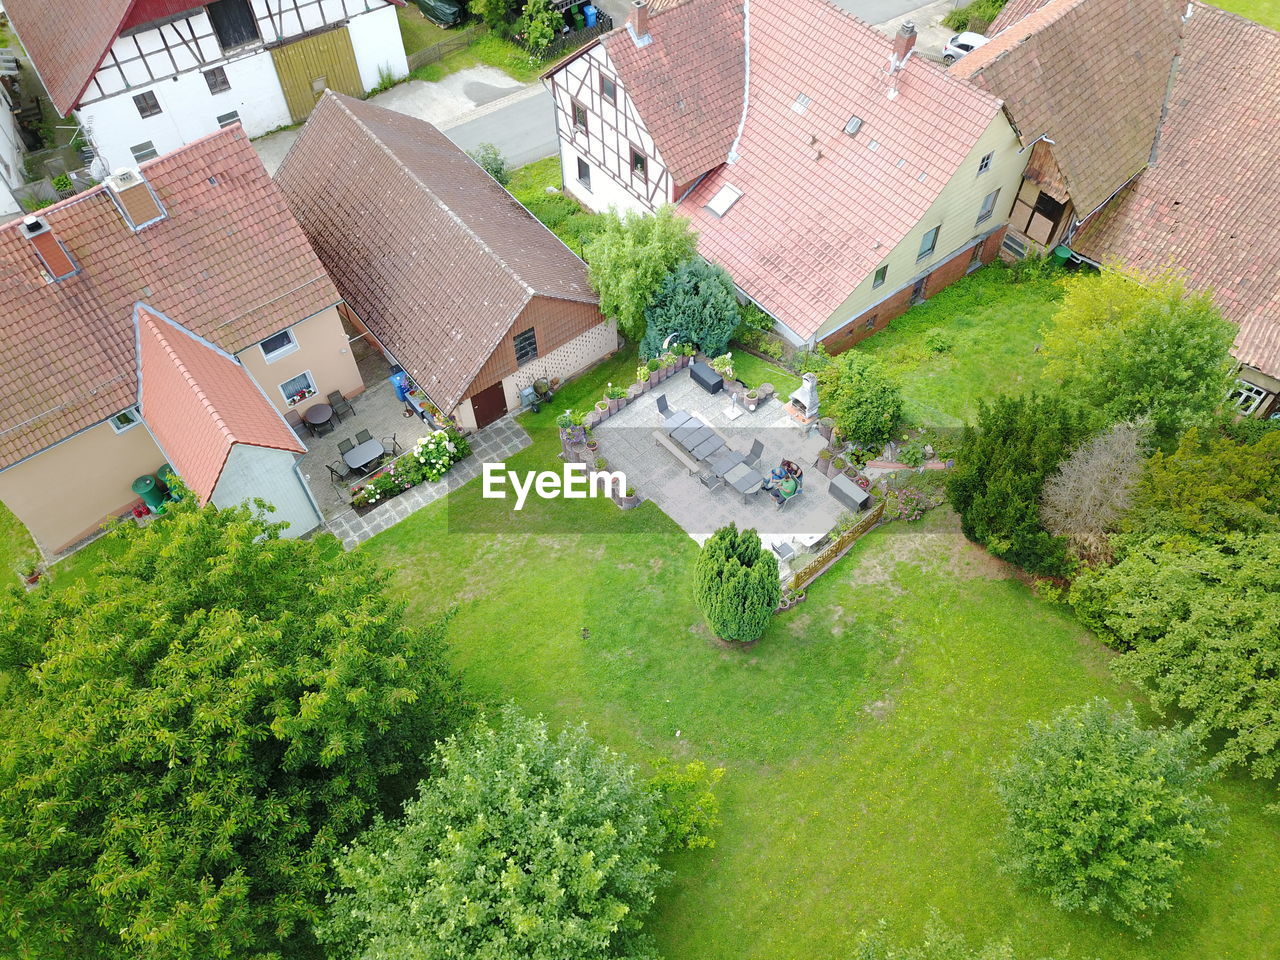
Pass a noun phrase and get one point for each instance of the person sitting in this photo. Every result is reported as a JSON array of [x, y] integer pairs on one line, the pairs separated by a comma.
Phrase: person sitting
[[794, 471], [785, 490], [776, 476]]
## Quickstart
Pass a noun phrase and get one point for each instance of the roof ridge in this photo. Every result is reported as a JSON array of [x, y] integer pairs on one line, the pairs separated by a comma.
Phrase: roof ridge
[[185, 372]]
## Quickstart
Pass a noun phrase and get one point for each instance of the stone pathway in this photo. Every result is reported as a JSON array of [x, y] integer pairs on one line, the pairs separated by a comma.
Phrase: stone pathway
[[494, 443]]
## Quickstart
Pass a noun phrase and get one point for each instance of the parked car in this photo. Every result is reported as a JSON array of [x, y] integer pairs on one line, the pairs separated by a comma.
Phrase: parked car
[[447, 13], [961, 44]]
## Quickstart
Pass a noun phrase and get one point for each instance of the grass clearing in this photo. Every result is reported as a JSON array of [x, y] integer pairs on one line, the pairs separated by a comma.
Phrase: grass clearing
[[753, 371], [1265, 12], [16, 546], [416, 31], [994, 326], [564, 216], [488, 50]]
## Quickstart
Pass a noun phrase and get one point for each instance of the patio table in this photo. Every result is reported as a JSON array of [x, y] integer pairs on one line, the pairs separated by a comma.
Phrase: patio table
[[674, 419], [363, 454], [725, 460], [702, 434], [318, 413], [683, 432], [744, 479], [707, 447]]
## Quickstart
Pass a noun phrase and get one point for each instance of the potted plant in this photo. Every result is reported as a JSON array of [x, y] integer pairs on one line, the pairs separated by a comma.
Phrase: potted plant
[[628, 500], [602, 463], [62, 183], [825, 427], [613, 397], [838, 464], [592, 443], [753, 397], [655, 370], [30, 572], [602, 410], [824, 462]]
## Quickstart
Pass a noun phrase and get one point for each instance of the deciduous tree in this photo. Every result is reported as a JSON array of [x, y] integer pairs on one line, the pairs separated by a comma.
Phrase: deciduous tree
[[191, 738], [696, 303], [491, 159], [862, 396], [736, 584]]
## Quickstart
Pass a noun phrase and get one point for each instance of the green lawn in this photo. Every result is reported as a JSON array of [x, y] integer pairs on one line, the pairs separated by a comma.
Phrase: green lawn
[[488, 50], [753, 371], [994, 326], [416, 31], [858, 735], [16, 546], [1265, 12]]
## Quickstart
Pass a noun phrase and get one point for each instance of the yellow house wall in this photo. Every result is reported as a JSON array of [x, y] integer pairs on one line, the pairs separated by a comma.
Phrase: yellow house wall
[[956, 209], [65, 493], [322, 349]]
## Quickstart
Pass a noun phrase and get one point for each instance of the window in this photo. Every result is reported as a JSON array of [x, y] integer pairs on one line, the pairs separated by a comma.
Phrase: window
[[277, 345], [298, 388], [725, 198], [1246, 397], [639, 162], [233, 22], [584, 173], [985, 163], [880, 277], [144, 151], [608, 90], [147, 104], [217, 80], [125, 420], [928, 243], [319, 85], [801, 102], [579, 116], [526, 344], [227, 119], [988, 206]]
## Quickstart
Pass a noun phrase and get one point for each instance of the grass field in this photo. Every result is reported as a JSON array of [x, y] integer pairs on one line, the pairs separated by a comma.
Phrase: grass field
[[753, 371], [1265, 12], [16, 546], [487, 50], [416, 31], [994, 326]]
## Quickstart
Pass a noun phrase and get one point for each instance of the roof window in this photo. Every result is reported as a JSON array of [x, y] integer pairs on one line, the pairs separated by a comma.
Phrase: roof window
[[801, 103], [725, 198], [853, 126]]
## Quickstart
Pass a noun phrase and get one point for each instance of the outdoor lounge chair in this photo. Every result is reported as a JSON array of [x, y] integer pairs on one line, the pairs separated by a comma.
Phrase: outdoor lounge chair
[[345, 446], [661, 401], [340, 404], [757, 448]]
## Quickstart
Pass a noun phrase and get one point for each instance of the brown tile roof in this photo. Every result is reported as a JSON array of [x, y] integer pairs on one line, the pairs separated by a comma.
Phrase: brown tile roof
[[435, 257], [1208, 204], [66, 40], [1012, 12], [69, 358], [807, 230], [686, 83], [198, 403], [1089, 74]]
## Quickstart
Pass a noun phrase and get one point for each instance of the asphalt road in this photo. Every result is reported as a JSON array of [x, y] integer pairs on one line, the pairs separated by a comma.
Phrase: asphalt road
[[522, 126], [878, 11]]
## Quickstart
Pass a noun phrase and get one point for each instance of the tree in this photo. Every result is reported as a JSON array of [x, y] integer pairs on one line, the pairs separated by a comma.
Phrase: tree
[[1102, 813], [539, 23], [1084, 500], [490, 158], [862, 396], [1127, 345], [191, 738], [1200, 622], [696, 303], [736, 584], [525, 845], [498, 15], [1000, 469], [630, 256]]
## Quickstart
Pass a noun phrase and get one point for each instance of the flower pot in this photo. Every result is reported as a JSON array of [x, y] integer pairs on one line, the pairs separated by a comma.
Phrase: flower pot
[[614, 404], [824, 466], [682, 362], [825, 426], [636, 390]]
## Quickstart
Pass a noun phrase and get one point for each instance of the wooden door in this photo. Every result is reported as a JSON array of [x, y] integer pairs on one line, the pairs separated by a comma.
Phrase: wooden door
[[309, 66], [489, 405]]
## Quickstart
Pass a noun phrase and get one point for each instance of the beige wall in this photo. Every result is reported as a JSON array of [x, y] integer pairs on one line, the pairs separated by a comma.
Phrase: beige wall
[[956, 210], [66, 492], [322, 349]]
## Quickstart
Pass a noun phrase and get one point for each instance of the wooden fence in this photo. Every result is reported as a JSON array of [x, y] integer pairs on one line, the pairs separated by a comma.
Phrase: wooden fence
[[450, 44], [836, 549]]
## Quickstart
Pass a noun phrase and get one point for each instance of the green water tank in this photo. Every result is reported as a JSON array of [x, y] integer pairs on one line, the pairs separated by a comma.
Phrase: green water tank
[[1061, 254], [147, 488], [165, 475]]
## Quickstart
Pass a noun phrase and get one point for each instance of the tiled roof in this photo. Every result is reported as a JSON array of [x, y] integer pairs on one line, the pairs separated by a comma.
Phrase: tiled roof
[[687, 82], [199, 402], [1090, 75], [229, 262], [807, 230], [1012, 12], [1208, 205], [66, 40], [431, 252]]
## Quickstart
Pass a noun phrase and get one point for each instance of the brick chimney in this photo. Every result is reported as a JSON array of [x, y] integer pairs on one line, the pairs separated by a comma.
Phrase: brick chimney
[[638, 22], [903, 43], [133, 197], [57, 262]]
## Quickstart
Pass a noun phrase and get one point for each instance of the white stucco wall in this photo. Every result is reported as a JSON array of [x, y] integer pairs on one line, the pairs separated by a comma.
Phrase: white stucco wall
[[375, 38], [260, 472], [11, 153]]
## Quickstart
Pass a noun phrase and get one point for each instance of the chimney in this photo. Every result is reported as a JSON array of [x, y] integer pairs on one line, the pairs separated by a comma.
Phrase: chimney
[[58, 263], [903, 43], [134, 198], [638, 22]]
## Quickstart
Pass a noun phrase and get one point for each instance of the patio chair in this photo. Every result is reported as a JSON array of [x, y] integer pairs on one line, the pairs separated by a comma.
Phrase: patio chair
[[294, 419], [661, 401], [784, 550], [340, 404], [757, 448], [363, 436], [320, 429], [345, 446], [392, 445], [709, 479], [338, 471]]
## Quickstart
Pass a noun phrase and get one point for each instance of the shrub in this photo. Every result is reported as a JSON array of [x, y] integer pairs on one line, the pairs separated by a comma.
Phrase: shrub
[[977, 15], [938, 340], [861, 396], [1102, 813], [811, 361], [498, 15], [1000, 469], [912, 454], [695, 303], [736, 584], [538, 25], [723, 365], [62, 183], [689, 810], [490, 158]]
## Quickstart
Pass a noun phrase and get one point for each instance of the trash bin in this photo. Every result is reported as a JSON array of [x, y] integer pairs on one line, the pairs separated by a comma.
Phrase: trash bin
[[165, 475], [147, 488], [590, 13], [579, 22], [1061, 254]]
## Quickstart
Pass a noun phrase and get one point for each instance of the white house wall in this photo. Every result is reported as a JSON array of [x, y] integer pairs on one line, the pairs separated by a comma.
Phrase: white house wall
[[11, 153], [375, 38], [263, 473], [612, 130]]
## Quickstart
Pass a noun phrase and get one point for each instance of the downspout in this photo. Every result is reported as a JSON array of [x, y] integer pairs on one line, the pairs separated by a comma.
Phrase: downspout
[[746, 79]]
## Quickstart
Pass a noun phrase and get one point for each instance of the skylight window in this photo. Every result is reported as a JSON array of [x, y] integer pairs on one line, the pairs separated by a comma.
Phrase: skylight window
[[853, 126], [802, 103], [725, 198]]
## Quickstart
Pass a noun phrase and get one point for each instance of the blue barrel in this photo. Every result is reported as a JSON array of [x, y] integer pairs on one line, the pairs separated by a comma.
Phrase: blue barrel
[[590, 13]]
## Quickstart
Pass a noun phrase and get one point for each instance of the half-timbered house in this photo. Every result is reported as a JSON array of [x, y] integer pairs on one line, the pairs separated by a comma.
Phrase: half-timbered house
[[146, 76]]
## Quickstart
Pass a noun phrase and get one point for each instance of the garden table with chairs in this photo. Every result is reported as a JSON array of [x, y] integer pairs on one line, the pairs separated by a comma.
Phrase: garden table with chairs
[[363, 454]]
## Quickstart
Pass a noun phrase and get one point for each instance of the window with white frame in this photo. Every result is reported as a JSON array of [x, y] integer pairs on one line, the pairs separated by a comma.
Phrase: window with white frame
[[1246, 397], [985, 163], [227, 119], [277, 345], [126, 420], [299, 388], [988, 206], [144, 151], [928, 243]]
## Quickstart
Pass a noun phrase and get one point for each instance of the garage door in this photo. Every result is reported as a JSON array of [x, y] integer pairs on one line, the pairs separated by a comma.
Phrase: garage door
[[308, 67], [488, 405]]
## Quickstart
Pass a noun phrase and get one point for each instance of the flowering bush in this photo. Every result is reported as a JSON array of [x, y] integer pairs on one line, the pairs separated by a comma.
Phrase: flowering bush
[[723, 365], [430, 459]]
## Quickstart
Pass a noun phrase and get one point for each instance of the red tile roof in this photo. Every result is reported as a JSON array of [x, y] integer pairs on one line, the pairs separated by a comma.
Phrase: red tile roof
[[687, 82], [435, 257], [1090, 75], [1208, 204], [198, 402], [806, 231], [229, 262], [1012, 12]]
